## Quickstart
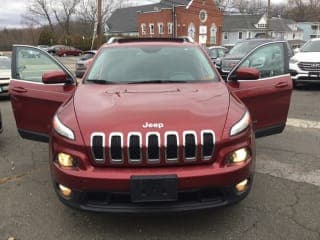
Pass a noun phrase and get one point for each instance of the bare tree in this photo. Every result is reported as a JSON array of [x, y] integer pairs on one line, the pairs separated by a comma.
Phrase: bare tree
[[88, 9], [39, 11], [63, 11], [304, 10]]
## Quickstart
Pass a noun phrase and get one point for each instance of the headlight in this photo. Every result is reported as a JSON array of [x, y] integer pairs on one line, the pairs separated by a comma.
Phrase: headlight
[[293, 61], [62, 129], [241, 125], [239, 156]]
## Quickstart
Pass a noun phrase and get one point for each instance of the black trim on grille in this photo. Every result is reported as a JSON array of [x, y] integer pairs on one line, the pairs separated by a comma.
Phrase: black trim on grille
[[153, 149], [116, 148], [172, 147], [207, 145], [190, 146], [134, 148], [97, 146]]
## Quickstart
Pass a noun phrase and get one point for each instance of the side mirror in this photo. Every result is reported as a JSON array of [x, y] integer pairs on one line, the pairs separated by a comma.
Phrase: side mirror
[[245, 73], [296, 50], [54, 77]]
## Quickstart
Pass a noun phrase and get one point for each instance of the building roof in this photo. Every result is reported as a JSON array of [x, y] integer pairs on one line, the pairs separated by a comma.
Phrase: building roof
[[234, 23], [124, 20]]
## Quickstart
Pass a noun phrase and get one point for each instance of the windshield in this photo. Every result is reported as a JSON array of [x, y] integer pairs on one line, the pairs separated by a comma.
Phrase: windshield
[[5, 64], [243, 48], [151, 64], [311, 46]]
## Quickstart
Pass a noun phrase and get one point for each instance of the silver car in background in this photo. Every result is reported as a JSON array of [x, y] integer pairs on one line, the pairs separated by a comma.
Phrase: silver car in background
[[83, 62], [5, 74]]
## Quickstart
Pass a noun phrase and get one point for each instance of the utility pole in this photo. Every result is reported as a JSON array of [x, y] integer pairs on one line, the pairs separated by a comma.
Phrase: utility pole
[[99, 26], [268, 20]]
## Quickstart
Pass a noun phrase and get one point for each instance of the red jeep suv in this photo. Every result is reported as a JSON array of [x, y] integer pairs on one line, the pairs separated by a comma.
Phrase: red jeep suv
[[152, 127]]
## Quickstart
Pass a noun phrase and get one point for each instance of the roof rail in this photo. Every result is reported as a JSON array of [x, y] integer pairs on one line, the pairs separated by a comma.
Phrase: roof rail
[[128, 40]]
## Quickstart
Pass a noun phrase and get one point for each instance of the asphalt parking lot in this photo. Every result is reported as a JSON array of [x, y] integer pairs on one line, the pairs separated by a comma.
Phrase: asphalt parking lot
[[284, 202]]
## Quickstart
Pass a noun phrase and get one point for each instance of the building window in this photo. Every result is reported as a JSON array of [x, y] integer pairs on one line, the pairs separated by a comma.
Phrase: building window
[[213, 34], [262, 26], [160, 28], [314, 27], [170, 28], [143, 29], [240, 35], [225, 36], [151, 28], [192, 31]]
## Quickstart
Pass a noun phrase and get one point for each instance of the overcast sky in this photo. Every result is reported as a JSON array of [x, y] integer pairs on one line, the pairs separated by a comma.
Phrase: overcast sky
[[11, 10]]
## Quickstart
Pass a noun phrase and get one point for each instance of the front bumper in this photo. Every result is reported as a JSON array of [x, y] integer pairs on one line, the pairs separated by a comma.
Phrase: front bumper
[[4, 86], [188, 200], [301, 76]]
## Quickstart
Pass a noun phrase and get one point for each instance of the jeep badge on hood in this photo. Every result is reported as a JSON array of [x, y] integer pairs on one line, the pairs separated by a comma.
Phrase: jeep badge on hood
[[153, 125]]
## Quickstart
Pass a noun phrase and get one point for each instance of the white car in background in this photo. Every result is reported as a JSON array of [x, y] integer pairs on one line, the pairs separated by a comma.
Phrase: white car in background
[[304, 66], [5, 74]]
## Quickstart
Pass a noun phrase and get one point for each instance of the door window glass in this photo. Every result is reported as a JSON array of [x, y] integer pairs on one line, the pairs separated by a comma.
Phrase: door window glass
[[32, 63], [269, 60]]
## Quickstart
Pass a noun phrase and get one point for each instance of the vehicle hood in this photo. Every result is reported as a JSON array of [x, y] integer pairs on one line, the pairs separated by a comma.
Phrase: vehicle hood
[[126, 108], [307, 57]]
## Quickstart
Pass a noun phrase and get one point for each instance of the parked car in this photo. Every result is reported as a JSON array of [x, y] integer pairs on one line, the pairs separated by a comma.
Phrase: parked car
[[5, 74], [68, 51], [240, 50], [44, 47], [217, 52], [152, 127], [83, 62], [53, 49], [305, 64]]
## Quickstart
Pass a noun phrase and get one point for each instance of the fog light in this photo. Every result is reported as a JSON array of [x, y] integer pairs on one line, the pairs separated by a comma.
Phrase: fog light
[[65, 160], [242, 186], [65, 191], [239, 156]]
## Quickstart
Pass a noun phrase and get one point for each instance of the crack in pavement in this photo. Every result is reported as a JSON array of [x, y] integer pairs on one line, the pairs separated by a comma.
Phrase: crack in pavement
[[293, 216], [17, 177]]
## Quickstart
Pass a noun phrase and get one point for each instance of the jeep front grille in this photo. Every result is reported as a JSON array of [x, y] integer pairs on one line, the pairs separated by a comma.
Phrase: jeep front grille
[[98, 147], [309, 66], [151, 148]]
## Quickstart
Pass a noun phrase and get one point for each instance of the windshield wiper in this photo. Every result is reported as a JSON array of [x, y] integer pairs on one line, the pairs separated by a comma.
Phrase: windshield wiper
[[158, 81], [97, 81]]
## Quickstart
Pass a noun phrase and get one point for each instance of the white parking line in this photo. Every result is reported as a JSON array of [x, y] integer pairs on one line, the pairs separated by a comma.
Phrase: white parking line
[[267, 165], [301, 123]]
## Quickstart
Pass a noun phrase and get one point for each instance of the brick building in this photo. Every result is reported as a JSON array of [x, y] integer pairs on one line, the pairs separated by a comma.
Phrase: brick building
[[199, 19]]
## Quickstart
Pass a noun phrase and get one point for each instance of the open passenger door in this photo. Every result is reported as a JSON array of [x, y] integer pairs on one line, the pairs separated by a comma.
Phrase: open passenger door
[[262, 81], [39, 85]]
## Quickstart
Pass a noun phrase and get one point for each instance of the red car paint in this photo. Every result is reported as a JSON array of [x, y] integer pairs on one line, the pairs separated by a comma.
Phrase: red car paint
[[89, 108]]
